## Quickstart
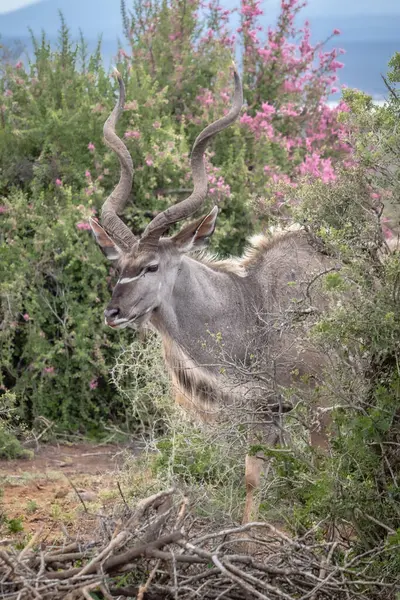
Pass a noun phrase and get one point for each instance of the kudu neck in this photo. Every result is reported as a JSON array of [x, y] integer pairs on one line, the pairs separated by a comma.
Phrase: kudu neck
[[203, 299]]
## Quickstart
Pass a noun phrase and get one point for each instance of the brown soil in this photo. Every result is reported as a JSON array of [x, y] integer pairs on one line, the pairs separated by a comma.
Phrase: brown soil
[[43, 491]]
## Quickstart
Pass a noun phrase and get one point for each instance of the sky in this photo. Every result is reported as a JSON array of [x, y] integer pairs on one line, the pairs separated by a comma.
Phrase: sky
[[7, 5], [319, 7]]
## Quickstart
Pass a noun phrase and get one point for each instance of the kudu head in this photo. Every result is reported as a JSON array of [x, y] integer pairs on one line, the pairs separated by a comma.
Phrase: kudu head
[[148, 266]]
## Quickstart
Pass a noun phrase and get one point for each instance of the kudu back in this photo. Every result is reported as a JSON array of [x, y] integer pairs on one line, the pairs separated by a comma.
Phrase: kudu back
[[231, 329]]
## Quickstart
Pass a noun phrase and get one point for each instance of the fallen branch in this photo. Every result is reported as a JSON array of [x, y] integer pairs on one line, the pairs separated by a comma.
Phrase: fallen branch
[[150, 542]]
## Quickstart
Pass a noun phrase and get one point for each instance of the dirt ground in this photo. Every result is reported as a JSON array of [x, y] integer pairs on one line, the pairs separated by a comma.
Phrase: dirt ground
[[61, 490]]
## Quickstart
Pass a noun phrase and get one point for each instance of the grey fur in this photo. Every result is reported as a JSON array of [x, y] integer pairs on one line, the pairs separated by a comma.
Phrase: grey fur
[[232, 330]]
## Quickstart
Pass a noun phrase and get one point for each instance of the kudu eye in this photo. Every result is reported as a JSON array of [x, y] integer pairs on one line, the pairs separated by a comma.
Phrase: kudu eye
[[152, 268]]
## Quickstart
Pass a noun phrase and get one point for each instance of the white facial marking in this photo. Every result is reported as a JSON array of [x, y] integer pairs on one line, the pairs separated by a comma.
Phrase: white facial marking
[[116, 322], [128, 279]]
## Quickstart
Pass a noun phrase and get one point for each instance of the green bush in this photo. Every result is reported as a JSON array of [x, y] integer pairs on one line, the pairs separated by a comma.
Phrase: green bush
[[55, 356], [55, 172], [10, 446], [140, 376], [354, 490]]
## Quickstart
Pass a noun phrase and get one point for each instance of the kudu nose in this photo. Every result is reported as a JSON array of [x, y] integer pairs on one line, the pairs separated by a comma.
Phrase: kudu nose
[[111, 312]]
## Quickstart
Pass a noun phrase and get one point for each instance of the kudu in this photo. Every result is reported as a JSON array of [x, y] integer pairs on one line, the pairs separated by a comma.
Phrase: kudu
[[227, 335]]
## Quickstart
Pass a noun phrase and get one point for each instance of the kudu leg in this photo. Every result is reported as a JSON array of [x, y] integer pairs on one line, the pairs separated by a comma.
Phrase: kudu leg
[[319, 436], [254, 467], [257, 466]]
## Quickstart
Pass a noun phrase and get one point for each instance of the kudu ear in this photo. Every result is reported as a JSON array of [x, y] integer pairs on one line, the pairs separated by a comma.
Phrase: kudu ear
[[197, 233], [108, 247]]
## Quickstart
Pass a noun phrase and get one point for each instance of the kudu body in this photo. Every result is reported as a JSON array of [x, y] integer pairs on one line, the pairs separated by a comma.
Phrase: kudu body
[[228, 328]]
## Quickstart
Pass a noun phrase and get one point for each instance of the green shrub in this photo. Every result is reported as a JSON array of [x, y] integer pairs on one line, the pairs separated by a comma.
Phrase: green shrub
[[56, 172], [140, 376], [10, 428], [354, 489], [56, 356], [15, 525]]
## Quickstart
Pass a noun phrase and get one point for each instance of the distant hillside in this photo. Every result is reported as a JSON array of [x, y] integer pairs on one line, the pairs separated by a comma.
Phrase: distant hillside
[[92, 16], [369, 39], [333, 8]]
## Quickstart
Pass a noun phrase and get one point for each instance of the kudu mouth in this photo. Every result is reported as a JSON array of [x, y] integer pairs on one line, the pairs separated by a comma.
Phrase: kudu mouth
[[122, 322]]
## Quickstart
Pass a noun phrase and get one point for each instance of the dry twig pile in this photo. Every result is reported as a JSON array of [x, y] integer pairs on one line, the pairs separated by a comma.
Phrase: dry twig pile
[[159, 551]]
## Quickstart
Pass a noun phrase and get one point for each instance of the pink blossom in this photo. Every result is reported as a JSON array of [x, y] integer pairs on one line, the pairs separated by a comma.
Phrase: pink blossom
[[8, 93], [3, 209], [206, 98], [288, 110], [49, 370], [304, 76], [265, 53], [91, 147], [87, 174], [320, 168], [133, 105], [388, 233], [251, 9], [19, 65], [327, 172], [58, 182], [224, 96], [133, 134], [98, 108], [268, 109], [343, 107], [94, 384], [26, 317], [246, 119], [82, 225], [335, 64]]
